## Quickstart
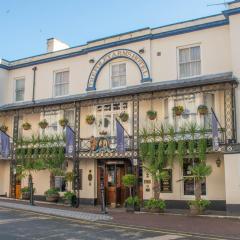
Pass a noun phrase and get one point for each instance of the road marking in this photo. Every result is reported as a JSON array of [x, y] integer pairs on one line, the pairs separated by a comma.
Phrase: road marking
[[165, 237], [12, 220]]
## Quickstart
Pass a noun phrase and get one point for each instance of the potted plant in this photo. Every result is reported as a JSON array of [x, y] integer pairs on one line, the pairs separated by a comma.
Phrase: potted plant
[[198, 206], [52, 195], [26, 193], [3, 128], [69, 198], [132, 204], [155, 205], [26, 126], [69, 177], [152, 115], [178, 110], [63, 122], [103, 133], [90, 119], [43, 124], [202, 109], [124, 116]]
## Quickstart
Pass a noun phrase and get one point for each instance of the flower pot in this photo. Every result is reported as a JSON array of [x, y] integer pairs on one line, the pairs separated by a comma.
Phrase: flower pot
[[52, 198], [43, 125], [178, 113], [130, 209], [90, 119], [4, 128], [156, 210], [26, 126], [68, 202], [26, 195], [152, 115], [124, 117], [202, 111]]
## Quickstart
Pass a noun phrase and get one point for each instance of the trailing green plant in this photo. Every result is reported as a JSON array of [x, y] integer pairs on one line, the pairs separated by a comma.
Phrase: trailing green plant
[[178, 110], [26, 190], [182, 149], [171, 146], [90, 119], [202, 145], [63, 122], [192, 130], [155, 204], [26, 126]]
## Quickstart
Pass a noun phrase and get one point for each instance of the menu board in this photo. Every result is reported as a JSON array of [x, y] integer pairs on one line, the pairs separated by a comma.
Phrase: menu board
[[166, 183]]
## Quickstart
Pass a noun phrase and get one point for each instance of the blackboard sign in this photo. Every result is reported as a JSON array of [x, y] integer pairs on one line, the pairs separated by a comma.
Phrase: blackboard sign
[[166, 183]]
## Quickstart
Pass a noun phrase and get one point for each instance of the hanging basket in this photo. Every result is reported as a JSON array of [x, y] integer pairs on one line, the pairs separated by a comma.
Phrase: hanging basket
[[63, 122], [4, 128], [152, 115], [178, 110], [103, 133], [90, 119], [26, 126], [43, 124], [203, 109], [124, 116]]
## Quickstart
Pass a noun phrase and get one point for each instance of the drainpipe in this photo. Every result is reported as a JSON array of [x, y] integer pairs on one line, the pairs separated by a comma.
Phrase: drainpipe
[[34, 83]]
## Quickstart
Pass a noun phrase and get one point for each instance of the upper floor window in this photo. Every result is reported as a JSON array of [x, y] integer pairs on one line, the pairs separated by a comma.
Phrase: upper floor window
[[61, 83], [189, 62], [118, 75], [19, 90]]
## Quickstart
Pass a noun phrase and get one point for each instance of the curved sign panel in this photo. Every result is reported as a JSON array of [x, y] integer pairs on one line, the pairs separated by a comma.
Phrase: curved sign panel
[[119, 53]]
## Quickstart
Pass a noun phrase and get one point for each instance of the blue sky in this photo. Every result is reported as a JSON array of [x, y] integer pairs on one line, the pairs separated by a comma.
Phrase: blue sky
[[26, 24]]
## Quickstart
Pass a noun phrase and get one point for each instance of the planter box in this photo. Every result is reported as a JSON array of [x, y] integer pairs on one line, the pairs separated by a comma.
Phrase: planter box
[[26, 196], [194, 210], [52, 198]]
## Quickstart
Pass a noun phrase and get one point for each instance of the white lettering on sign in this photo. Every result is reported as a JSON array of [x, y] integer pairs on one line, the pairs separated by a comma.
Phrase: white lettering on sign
[[125, 53]]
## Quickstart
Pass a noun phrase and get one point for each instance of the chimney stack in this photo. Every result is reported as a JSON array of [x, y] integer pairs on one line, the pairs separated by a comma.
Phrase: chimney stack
[[54, 45]]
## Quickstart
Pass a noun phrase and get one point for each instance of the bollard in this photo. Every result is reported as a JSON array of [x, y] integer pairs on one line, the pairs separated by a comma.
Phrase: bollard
[[103, 206]]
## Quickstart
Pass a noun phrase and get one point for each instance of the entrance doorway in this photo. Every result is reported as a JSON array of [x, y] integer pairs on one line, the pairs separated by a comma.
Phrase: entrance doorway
[[110, 173]]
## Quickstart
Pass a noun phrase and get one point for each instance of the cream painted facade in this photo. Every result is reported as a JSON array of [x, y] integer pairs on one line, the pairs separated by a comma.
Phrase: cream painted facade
[[152, 75]]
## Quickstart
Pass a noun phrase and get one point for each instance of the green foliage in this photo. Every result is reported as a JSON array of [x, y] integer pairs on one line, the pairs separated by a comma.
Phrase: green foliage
[[155, 204], [52, 191], [192, 130], [182, 149], [69, 195], [202, 145], [27, 190], [69, 176], [201, 171], [200, 204], [171, 146], [129, 180], [132, 201]]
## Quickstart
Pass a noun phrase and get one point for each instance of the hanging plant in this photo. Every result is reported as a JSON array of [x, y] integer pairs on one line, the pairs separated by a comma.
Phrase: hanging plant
[[63, 122], [3, 128], [182, 145], [152, 115], [124, 116], [103, 133], [90, 119], [192, 129], [43, 124], [26, 126], [202, 109], [178, 110], [202, 145]]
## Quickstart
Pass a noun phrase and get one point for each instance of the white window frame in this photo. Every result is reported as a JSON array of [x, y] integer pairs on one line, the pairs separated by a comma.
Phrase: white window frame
[[111, 65], [14, 88], [54, 82], [178, 59]]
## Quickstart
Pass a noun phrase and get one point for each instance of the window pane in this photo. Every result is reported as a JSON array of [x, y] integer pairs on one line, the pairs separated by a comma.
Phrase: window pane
[[184, 55], [62, 83], [195, 53], [118, 75], [20, 89]]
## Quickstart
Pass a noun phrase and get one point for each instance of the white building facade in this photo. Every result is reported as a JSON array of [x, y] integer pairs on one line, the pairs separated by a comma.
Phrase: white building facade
[[189, 64]]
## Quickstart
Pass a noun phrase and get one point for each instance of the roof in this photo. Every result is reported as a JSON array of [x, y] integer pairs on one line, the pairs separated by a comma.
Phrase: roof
[[143, 88]]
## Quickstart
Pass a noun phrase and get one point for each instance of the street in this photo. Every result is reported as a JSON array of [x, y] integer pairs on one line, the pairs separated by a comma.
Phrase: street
[[18, 224]]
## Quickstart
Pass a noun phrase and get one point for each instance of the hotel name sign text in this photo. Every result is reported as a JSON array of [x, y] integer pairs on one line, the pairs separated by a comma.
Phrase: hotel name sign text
[[120, 53]]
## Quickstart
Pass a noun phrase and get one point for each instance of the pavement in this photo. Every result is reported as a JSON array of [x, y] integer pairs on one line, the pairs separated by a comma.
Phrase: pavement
[[159, 225]]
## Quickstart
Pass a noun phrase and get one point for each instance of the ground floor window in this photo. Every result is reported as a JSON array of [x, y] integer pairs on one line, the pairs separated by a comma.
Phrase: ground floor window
[[188, 180], [60, 183]]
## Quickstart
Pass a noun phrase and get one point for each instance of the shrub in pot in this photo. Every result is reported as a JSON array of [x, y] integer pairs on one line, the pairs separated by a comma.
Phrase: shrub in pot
[[4, 128], [69, 198], [198, 207], [26, 193], [155, 205], [178, 110], [90, 119], [43, 124], [52, 195], [202, 109], [26, 126], [132, 204], [152, 115], [63, 122], [124, 116]]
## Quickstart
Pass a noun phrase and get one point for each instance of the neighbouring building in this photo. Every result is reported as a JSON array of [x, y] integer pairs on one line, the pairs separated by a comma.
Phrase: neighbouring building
[[187, 63]]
